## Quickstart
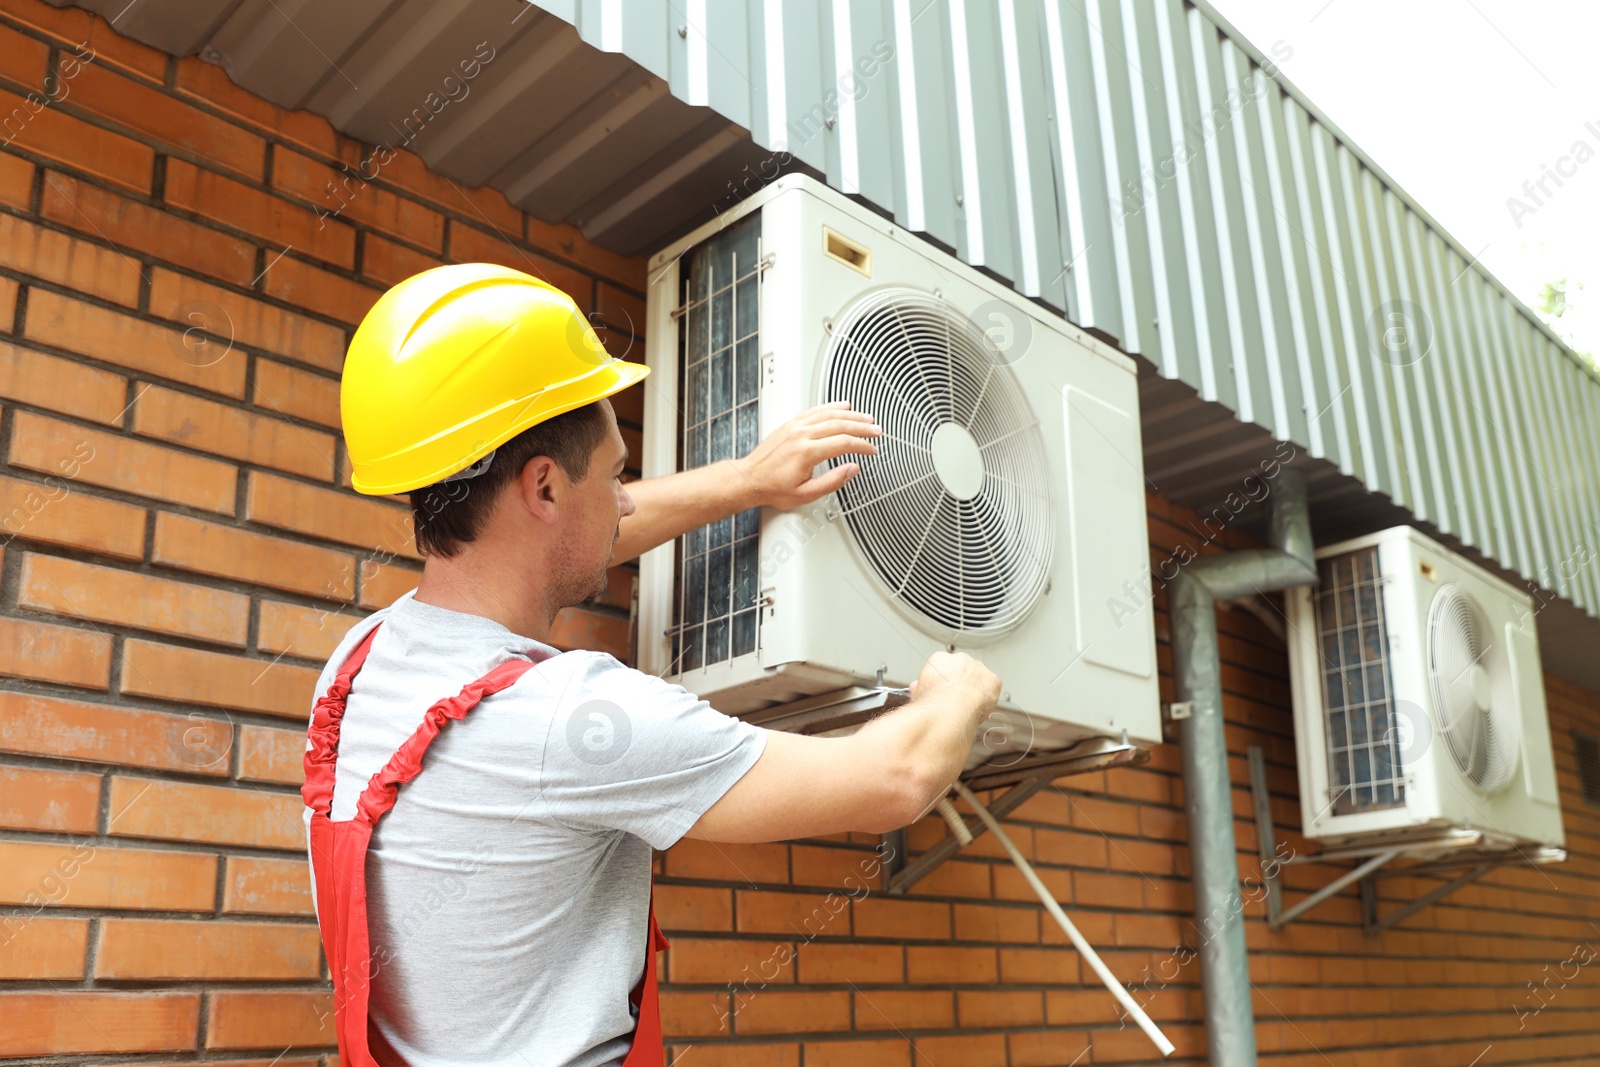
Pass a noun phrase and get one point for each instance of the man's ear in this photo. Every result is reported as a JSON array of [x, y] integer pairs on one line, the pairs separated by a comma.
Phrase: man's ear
[[542, 488]]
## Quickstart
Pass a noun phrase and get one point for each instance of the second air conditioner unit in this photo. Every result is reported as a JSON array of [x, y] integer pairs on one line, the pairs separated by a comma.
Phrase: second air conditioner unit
[[1418, 699], [1004, 513]]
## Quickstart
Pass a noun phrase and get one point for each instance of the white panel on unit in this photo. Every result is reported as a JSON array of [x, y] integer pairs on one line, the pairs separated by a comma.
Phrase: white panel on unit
[[1002, 515], [1418, 700]]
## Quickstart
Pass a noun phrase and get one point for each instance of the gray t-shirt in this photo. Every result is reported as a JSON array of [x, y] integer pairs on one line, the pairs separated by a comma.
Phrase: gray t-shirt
[[508, 887]]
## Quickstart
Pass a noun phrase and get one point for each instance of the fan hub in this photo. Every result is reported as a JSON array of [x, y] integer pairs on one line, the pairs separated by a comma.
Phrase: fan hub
[[957, 461], [1480, 687]]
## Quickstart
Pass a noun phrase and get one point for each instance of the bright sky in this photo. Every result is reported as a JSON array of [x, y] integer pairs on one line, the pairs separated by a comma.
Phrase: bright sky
[[1462, 102]]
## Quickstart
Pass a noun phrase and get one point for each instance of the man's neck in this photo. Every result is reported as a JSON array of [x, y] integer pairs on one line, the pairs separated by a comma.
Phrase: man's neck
[[472, 585]]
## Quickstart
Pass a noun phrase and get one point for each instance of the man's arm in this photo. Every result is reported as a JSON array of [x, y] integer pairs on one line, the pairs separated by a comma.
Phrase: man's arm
[[884, 776], [776, 474]]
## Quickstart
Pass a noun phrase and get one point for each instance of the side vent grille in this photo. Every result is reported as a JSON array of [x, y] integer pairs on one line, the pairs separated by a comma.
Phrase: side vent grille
[[715, 590], [1364, 741]]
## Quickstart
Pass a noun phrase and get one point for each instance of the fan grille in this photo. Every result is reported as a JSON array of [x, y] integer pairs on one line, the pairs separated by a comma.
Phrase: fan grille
[[954, 513], [1479, 725]]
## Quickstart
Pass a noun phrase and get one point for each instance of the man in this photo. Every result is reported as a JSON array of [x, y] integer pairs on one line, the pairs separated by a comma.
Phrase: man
[[500, 912]]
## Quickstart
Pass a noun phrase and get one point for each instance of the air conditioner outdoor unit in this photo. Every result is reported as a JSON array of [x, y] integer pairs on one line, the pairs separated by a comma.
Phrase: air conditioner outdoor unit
[[1003, 515], [1418, 699]]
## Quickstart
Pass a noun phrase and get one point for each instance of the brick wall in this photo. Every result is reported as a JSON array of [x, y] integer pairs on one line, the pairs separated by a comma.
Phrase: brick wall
[[180, 267]]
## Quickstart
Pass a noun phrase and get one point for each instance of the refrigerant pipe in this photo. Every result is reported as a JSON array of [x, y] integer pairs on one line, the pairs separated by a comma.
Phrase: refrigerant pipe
[[1207, 786]]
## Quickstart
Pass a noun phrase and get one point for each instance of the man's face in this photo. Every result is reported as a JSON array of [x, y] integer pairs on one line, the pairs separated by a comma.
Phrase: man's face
[[599, 505]]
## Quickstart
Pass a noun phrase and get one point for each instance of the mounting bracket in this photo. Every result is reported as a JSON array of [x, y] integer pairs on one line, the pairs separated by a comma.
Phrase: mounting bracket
[[1471, 851]]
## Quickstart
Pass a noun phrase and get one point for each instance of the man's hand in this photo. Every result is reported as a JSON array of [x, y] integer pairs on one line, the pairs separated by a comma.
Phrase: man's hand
[[778, 471]]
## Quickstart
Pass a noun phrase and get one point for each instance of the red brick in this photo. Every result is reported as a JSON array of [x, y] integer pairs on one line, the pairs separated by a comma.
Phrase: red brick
[[409, 172], [128, 598], [23, 58], [228, 431], [807, 915], [292, 1018], [16, 181], [230, 552], [694, 1014], [61, 385], [1036, 1049], [127, 224], [750, 964], [299, 283], [977, 1050], [80, 31], [152, 949], [36, 949], [210, 814], [470, 245], [100, 876], [982, 922], [939, 965], [43, 1024], [118, 462], [167, 120], [258, 886], [888, 1053], [692, 858], [56, 257], [69, 655], [297, 393], [60, 801], [621, 314], [52, 513], [387, 263], [826, 962], [129, 342], [258, 213], [910, 919], [384, 583], [1038, 966], [195, 306], [8, 302], [344, 195], [684, 907], [328, 513], [577, 628], [209, 84], [779, 1011], [56, 135], [741, 1054], [308, 633], [190, 676], [987, 1008], [268, 755], [102, 733], [904, 1009]]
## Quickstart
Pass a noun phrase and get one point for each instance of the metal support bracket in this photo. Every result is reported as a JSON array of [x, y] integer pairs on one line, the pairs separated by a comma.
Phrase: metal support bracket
[[1436, 852]]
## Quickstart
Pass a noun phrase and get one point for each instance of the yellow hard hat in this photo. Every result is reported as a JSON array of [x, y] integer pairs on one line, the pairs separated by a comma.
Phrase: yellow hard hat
[[453, 362]]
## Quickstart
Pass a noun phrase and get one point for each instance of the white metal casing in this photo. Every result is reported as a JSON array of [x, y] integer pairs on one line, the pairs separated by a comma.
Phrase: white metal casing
[[1438, 796], [1083, 661]]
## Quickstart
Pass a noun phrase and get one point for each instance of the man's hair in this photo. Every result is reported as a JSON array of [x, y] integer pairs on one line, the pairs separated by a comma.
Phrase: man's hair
[[447, 515]]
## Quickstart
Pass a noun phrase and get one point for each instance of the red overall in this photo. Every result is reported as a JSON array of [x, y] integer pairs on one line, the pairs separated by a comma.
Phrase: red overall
[[339, 859]]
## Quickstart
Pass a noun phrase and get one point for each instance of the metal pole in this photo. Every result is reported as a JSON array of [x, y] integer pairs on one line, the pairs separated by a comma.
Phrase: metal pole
[[1207, 785]]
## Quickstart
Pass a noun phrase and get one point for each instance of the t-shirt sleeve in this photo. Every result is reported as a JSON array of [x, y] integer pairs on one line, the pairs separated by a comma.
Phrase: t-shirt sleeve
[[629, 751]]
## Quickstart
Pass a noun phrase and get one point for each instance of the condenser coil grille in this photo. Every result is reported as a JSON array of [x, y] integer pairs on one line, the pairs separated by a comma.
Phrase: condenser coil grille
[[715, 590], [1364, 740], [954, 512]]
